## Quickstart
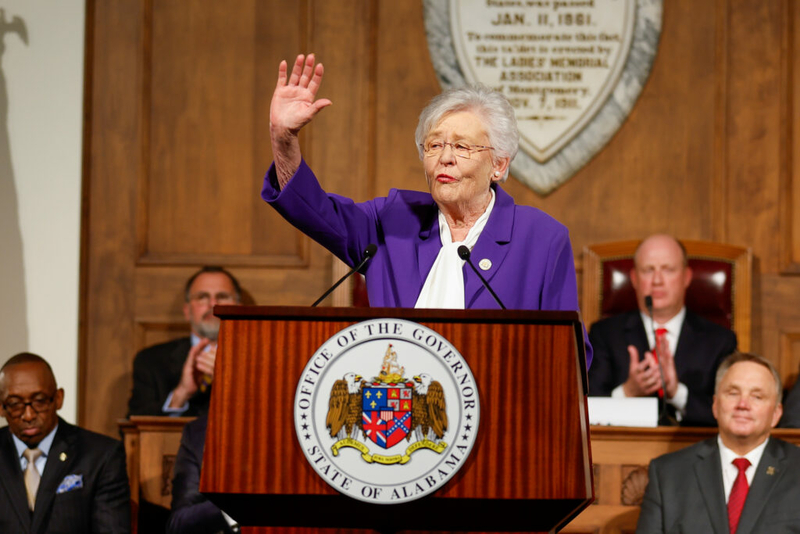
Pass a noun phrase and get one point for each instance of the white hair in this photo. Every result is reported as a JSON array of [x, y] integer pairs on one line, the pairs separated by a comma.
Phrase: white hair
[[490, 106]]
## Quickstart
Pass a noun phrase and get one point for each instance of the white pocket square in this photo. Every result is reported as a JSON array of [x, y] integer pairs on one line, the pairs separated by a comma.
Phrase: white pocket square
[[70, 482]]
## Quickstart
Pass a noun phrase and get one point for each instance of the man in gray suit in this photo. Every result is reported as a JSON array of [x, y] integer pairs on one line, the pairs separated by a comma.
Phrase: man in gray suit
[[741, 482]]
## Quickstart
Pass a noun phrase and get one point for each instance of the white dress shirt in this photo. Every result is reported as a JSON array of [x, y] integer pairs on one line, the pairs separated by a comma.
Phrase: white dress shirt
[[43, 446]]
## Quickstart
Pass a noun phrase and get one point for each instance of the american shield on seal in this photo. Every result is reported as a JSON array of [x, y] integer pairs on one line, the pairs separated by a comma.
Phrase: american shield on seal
[[386, 413]]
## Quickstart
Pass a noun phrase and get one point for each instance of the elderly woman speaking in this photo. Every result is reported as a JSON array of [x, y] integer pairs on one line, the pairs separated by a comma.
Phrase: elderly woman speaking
[[466, 138]]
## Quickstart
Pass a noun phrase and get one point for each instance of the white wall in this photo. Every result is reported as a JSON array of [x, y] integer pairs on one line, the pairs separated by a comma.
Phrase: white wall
[[44, 80]]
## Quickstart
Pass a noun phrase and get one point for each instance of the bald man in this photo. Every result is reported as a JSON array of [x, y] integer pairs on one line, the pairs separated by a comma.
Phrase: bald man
[[689, 348], [54, 477]]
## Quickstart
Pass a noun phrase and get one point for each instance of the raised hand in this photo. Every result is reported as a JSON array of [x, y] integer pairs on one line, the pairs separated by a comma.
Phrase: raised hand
[[294, 105], [190, 377], [667, 360], [294, 101]]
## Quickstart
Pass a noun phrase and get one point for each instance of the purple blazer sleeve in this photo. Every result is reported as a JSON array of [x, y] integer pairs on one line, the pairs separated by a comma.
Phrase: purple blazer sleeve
[[339, 224], [528, 253]]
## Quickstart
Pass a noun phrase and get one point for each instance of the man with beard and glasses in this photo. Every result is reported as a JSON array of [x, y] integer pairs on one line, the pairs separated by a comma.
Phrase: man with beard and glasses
[[174, 378]]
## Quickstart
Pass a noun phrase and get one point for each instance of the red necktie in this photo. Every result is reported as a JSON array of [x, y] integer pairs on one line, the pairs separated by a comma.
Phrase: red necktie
[[660, 333], [738, 494]]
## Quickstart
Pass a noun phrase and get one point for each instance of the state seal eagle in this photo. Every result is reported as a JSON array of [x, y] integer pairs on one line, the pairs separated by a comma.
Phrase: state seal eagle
[[344, 407], [428, 411]]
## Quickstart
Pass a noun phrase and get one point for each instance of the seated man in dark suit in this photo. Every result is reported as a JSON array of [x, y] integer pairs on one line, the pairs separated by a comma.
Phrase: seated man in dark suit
[[191, 511], [54, 477], [743, 480], [689, 348], [174, 378]]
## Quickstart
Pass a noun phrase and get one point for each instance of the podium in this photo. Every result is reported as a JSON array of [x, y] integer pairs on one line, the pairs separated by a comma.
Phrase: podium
[[530, 468]]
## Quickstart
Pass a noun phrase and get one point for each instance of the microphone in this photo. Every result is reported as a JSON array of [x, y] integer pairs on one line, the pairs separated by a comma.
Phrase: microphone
[[648, 303], [368, 253], [464, 254]]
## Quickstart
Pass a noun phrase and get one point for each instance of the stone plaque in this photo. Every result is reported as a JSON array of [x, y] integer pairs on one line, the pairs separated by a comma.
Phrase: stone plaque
[[572, 69]]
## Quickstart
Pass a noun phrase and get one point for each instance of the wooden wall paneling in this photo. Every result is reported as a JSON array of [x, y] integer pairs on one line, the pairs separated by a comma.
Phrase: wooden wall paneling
[[719, 182], [753, 128], [202, 122], [790, 118], [113, 164], [789, 357], [405, 83], [281, 29], [779, 320], [158, 330], [655, 173], [342, 36], [177, 146]]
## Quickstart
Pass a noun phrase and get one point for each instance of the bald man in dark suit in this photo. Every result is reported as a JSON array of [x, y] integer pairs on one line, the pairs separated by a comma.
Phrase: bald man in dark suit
[[689, 347], [55, 477]]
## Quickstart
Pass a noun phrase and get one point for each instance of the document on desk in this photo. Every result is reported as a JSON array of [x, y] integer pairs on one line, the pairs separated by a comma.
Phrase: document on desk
[[634, 411]]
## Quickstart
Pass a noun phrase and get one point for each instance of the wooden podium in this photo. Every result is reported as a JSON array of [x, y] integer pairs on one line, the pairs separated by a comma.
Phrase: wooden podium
[[530, 469]]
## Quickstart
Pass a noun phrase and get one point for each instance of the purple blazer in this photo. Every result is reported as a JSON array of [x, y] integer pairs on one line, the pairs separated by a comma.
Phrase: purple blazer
[[532, 267]]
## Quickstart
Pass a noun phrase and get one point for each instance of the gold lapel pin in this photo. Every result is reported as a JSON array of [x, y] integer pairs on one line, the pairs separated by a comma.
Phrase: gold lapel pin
[[63, 457], [770, 470]]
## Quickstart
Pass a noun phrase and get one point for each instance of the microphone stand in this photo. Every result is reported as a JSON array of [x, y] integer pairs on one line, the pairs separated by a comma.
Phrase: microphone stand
[[368, 253], [464, 253]]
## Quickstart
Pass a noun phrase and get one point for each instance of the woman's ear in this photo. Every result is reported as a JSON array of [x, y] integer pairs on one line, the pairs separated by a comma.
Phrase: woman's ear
[[499, 167]]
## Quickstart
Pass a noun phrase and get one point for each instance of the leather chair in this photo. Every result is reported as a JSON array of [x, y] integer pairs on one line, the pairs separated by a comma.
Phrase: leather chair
[[720, 290]]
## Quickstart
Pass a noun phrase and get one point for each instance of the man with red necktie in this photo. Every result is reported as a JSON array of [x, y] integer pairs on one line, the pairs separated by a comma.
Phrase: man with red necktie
[[688, 347], [741, 482]]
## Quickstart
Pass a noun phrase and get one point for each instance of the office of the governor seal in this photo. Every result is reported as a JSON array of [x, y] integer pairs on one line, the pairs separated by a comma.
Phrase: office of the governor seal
[[387, 411]]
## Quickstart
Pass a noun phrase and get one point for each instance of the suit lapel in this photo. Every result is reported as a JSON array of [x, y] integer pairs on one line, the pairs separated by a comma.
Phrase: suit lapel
[[768, 474], [54, 471], [11, 479], [635, 334], [689, 333], [492, 245], [708, 471], [177, 359]]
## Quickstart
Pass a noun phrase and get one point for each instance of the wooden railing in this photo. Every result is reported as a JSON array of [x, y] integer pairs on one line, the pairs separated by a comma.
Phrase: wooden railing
[[620, 459]]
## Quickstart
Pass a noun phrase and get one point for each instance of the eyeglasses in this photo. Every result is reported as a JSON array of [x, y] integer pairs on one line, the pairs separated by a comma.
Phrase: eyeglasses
[[16, 407], [460, 149], [205, 298]]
